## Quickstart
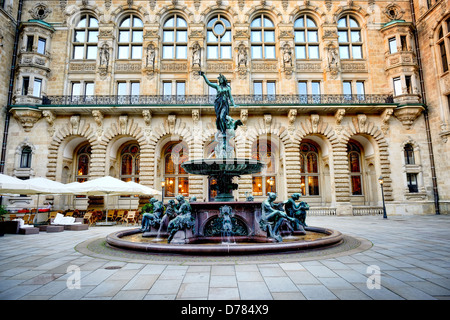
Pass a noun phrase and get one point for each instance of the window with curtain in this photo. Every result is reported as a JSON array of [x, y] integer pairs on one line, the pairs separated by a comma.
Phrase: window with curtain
[[130, 157], [85, 38], [262, 38], [265, 181], [309, 169], [306, 38], [354, 160], [130, 38], [409, 154], [176, 179], [218, 38], [174, 38], [25, 157], [350, 40], [83, 161]]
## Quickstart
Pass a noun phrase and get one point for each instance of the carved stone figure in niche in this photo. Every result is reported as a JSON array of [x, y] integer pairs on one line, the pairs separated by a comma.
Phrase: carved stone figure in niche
[[332, 58], [287, 56], [242, 56], [104, 55], [150, 63], [196, 55]]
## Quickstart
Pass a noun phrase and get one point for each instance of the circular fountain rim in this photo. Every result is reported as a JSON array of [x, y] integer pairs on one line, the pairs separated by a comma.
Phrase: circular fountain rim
[[332, 237]]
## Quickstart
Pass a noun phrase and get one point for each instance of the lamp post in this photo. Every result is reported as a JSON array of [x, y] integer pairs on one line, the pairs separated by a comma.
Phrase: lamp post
[[381, 181], [162, 191]]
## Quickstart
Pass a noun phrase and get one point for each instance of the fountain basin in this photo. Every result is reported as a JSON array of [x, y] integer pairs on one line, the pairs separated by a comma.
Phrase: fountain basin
[[223, 170], [315, 238]]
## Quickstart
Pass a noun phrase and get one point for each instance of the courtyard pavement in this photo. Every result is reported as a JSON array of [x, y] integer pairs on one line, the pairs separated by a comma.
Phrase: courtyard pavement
[[408, 258]]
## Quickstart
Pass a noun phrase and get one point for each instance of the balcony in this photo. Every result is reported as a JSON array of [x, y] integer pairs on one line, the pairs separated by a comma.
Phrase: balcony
[[113, 104]]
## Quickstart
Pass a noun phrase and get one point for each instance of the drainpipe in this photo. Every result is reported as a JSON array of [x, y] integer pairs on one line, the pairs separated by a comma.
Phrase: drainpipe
[[11, 88], [425, 112]]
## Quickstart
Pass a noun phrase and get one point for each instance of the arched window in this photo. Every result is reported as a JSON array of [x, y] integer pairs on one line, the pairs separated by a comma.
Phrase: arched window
[[85, 38], [130, 163], [262, 38], [354, 161], [350, 40], [25, 157], [218, 38], [174, 38], [409, 154], [309, 169], [443, 43], [83, 160], [265, 181], [131, 37], [306, 37], [176, 179]]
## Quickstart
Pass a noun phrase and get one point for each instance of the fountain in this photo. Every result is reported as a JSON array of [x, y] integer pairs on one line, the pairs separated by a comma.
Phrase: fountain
[[210, 227]]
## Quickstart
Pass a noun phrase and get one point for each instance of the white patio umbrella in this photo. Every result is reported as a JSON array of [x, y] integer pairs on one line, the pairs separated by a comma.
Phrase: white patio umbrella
[[102, 186], [12, 185]]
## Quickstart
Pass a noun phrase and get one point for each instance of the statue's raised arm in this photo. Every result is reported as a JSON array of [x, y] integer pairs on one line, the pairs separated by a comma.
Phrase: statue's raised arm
[[209, 83]]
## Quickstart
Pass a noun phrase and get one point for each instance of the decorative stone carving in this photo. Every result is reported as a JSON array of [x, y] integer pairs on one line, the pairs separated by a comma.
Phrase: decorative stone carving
[[315, 122], [196, 55], [267, 121], [174, 67], [362, 121], [333, 61], [292, 115], [385, 116], [123, 121], [242, 60], [147, 114], [171, 119], [98, 118], [244, 118], [40, 11], [50, 117], [408, 114], [150, 59], [393, 11], [339, 115], [195, 116], [75, 122], [27, 118], [287, 59]]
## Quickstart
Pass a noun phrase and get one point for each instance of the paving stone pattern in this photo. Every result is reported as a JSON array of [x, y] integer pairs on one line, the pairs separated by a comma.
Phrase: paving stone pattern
[[412, 254]]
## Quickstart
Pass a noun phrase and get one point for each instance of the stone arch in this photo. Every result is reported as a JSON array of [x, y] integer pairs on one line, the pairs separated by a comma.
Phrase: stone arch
[[125, 127], [161, 132], [77, 128], [271, 11], [314, 11], [353, 9], [360, 125], [122, 10], [311, 127], [209, 12], [168, 10], [74, 13]]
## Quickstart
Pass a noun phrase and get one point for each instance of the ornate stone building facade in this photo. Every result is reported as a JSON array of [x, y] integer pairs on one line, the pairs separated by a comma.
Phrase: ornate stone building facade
[[332, 95]]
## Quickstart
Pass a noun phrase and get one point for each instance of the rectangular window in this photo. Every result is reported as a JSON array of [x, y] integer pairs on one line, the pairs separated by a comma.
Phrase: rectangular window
[[123, 52], [256, 52], [271, 90], [269, 52], [78, 52], [91, 53], [76, 90], [121, 88], [25, 85], [37, 87], [360, 90], [258, 90], [408, 84], [403, 43], [397, 86], [136, 52], [89, 89], [392, 45], [167, 88], [257, 186], [135, 88], [30, 42], [181, 90], [347, 90], [356, 185], [315, 91], [41, 46], [412, 182]]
